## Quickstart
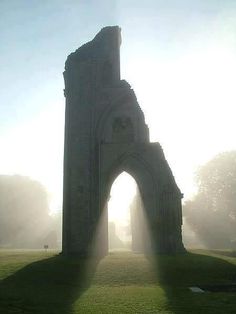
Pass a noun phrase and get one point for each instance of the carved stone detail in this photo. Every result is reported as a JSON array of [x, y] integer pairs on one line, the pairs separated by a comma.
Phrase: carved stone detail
[[105, 134]]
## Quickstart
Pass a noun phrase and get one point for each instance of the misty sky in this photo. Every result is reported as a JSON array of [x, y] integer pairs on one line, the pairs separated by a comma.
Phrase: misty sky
[[179, 56]]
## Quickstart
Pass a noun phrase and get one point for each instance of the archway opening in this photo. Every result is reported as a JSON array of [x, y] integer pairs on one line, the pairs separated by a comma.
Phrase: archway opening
[[122, 194], [126, 216]]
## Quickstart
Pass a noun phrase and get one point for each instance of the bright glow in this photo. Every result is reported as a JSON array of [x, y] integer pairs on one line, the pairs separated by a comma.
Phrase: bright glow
[[180, 62], [36, 150], [122, 193], [189, 105]]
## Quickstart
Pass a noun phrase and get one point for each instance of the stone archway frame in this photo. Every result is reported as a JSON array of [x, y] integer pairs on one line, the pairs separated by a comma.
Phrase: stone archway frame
[[135, 160], [123, 103], [106, 133]]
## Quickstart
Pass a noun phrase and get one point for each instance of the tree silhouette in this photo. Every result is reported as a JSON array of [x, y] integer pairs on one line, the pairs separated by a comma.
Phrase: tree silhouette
[[24, 212], [212, 212]]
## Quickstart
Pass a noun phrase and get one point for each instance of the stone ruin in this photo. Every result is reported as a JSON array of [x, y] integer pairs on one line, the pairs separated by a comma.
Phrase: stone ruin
[[106, 134]]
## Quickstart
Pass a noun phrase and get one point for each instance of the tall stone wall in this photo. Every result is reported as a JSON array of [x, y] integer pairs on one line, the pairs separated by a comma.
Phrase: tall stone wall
[[105, 134]]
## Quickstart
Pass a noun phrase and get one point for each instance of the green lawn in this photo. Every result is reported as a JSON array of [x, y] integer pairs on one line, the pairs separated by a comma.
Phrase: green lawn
[[123, 282]]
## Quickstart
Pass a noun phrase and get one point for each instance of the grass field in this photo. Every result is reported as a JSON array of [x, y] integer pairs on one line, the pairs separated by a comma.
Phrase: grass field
[[123, 282]]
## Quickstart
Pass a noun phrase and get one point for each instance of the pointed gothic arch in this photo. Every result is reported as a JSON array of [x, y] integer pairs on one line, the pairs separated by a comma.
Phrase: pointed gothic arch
[[105, 134]]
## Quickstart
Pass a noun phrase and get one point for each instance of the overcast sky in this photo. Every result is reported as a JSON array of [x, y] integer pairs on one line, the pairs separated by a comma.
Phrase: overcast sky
[[179, 56]]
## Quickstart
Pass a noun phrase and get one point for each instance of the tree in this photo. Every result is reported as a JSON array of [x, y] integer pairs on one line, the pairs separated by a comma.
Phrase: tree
[[24, 212], [212, 212]]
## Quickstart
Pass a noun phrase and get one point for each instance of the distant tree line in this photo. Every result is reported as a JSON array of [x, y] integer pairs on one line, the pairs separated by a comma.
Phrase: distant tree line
[[212, 212], [25, 221], [24, 214]]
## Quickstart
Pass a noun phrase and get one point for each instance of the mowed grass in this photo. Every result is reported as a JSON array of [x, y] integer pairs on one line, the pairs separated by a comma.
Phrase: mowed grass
[[122, 282]]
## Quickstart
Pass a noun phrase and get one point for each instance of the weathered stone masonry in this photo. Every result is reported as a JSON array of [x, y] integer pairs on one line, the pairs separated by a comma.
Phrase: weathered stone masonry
[[106, 134]]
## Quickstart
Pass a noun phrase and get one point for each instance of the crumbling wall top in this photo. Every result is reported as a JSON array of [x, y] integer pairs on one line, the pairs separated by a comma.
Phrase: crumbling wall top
[[104, 44]]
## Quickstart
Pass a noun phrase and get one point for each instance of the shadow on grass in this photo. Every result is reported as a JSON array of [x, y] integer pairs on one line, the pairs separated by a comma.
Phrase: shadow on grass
[[176, 274], [47, 286]]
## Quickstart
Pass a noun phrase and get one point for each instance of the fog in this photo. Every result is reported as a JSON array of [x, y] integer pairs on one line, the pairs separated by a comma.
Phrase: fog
[[122, 194], [178, 56], [210, 215], [25, 220], [128, 225]]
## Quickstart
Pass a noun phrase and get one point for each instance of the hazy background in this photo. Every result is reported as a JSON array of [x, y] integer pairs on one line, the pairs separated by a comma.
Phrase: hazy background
[[179, 56]]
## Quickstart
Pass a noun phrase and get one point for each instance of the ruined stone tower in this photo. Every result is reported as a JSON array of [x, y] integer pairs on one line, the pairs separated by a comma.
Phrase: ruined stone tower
[[106, 134]]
